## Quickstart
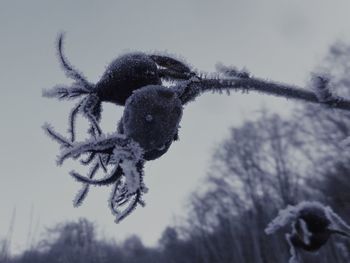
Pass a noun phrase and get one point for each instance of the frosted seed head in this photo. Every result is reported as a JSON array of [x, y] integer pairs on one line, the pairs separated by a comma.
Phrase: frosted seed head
[[151, 118]]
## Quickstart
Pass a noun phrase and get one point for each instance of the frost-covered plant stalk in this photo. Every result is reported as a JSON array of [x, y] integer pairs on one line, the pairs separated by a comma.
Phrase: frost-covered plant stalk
[[311, 224], [151, 115]]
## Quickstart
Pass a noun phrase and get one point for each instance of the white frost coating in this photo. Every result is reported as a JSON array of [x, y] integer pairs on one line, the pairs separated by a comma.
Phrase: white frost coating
[[82, 192], [56, 91], [293, 252], [290, 214], [230, 72], [132, 177], [181, 86], [173, 56], [336, 222], [194, 79], [305, 235], [320, 85], [49, 130], [131, 151], [285, 217], [116, 149], [100, 144], [130, 156], [65, 92], [126, 61]]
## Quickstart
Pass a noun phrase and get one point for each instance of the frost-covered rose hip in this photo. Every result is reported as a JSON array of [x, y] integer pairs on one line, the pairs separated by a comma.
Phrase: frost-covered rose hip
[[145, 132], [122, 77], [312, 225], [151, 118], [148, 126], [311, 229]]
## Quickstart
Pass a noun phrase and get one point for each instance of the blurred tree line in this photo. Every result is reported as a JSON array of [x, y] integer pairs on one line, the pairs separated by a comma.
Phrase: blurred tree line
[[263, 166]]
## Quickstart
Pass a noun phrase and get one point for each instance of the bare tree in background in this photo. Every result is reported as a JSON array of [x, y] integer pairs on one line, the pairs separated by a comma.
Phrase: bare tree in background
[[255, 172]]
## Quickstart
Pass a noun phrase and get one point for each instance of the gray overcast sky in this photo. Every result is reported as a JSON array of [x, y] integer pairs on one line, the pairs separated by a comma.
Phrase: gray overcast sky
[[277, 39]]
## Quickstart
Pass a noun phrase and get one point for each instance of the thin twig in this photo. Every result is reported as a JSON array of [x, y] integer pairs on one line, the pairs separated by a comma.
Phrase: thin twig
[[196, 88]]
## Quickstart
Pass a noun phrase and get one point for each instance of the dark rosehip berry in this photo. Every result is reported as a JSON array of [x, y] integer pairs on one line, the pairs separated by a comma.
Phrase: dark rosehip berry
[[317, 223], [126, 74], [151, 118]]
